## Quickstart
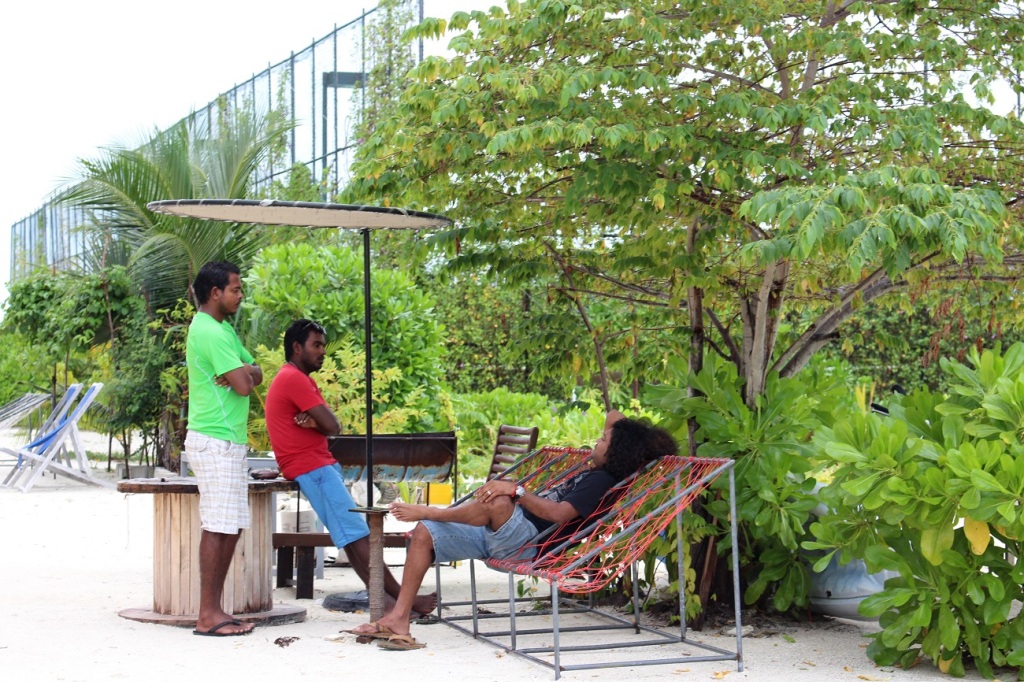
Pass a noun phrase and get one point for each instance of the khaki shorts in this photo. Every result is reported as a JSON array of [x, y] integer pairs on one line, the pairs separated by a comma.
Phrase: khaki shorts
[[221, 468]]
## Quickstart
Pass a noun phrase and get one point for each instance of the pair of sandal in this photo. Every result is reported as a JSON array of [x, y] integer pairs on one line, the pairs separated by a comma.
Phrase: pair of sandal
[[387, 639]]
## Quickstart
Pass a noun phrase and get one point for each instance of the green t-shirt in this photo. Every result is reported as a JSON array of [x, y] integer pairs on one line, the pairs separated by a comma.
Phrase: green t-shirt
[[216, 411]]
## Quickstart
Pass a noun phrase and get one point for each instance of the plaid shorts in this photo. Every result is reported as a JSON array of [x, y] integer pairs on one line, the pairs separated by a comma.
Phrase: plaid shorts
[[221, 468]]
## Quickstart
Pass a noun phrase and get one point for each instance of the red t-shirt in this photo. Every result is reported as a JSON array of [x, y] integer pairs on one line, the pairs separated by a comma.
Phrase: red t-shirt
[[298, 450]]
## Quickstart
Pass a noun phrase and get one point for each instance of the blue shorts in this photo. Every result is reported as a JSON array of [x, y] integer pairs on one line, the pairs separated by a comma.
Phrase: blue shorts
[[455, 541], [325, 489]]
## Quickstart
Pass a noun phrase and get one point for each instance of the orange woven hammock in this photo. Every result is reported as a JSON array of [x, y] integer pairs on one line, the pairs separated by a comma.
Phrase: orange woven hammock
[[547, 467], [585, 556]]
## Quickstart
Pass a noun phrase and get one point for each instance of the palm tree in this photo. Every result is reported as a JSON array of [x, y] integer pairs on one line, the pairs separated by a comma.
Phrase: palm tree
[[187, 161]]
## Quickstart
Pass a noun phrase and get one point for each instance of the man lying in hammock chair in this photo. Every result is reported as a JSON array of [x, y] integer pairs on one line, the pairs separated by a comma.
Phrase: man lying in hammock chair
[[504, 517]]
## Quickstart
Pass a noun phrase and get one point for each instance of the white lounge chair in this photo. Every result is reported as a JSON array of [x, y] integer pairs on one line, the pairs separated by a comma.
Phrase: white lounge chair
[[57, 414], [16, 410], [54, 445]]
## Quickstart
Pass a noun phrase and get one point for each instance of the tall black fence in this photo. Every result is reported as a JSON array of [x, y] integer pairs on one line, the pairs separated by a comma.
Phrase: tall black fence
[[314, 87]]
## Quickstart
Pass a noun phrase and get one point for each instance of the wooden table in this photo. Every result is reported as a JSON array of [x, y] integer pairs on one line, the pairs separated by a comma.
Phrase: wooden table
[[248, 588], [422, 457]]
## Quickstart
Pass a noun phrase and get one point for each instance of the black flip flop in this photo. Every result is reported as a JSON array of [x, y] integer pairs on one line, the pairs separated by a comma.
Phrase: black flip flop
[[427, 619], [212, 632]]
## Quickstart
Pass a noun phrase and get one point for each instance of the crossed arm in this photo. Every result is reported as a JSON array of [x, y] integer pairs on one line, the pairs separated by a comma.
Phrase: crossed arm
[[242, 379], [319, 418]]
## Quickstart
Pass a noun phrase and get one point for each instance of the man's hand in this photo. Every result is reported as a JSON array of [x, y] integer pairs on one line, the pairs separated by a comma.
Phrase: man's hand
[[303, 420], [492, 490]]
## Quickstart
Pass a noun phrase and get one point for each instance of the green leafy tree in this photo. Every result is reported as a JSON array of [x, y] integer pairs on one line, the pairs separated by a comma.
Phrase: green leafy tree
[[325, 283], [494, 335], [133, 395], [728, 162], [24, 366], [902, 344], [758, 172], [65, 314], [97, 324], [387, 56]]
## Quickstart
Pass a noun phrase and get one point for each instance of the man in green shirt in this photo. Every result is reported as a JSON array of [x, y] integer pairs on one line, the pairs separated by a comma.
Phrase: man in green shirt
[[221, 374]]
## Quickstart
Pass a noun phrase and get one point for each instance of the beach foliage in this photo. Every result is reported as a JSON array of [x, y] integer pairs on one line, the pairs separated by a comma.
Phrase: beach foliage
[[290, 281], [933, 491], [733, 166], [194, 159], [772, 445]]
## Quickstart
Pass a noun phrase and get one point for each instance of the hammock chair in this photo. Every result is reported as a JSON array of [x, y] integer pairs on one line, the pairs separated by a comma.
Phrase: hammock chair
[[579, 558]]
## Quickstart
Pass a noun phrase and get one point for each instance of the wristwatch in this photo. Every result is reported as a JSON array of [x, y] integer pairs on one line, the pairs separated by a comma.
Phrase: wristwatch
[[520, 492]]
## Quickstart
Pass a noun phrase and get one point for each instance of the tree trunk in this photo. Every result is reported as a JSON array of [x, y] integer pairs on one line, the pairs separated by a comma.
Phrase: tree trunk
[[760, 315], [695, 303]]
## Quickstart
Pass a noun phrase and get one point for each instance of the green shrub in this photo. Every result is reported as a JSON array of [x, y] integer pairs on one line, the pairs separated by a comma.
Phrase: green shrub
[[771, 444], [23, 369], [325, 283], [342, 382], [934, 492], [485, 344], [478, 416]]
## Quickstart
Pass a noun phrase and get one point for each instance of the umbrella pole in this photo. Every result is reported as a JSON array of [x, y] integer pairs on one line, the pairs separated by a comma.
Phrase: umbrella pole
[[369, 367], [375, 519]]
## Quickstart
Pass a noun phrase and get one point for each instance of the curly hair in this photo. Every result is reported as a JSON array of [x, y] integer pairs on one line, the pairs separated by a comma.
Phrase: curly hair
[[633, 444]]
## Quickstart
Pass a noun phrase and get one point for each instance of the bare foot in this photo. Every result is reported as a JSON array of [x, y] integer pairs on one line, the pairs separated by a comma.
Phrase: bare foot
[[422, 605], [387, 624], [409, 512], [374, 629], [425, 603]]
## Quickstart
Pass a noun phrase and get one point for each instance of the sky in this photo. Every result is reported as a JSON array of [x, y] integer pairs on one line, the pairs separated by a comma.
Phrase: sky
[[79, 77]]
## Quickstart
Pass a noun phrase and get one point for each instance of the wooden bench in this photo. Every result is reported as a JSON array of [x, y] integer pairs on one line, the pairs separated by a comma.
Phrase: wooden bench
[[295, 552]]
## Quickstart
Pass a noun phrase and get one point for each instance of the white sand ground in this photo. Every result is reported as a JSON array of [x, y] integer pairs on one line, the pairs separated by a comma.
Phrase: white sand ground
[[74, 555]]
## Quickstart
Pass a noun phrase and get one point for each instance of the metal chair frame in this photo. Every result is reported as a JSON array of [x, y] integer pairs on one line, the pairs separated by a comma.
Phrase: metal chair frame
[[516, 640]]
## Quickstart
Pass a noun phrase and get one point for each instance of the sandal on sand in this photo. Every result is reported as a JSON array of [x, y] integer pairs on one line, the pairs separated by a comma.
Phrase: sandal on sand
[[400, 643], [426, 619], [215, 630], [379, 632]]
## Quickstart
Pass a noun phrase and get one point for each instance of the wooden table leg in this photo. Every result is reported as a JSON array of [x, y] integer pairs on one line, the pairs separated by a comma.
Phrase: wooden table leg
[[375, 520], [285, 566]]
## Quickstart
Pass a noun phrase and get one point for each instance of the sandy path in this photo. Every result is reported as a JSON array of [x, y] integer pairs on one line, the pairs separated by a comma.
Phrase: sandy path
[[74, 555]]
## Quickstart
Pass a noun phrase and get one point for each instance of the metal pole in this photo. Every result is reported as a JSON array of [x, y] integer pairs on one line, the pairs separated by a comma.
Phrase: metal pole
[[736, 568], [369, 368], [421, 38]]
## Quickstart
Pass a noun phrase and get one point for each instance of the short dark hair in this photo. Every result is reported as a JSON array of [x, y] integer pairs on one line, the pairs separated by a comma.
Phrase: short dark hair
[[298, 333], [213, 275], [633, 444]]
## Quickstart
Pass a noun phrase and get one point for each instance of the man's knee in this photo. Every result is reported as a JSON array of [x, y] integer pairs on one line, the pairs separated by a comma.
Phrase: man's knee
[[421, 541], [503, 504], [421, 537]]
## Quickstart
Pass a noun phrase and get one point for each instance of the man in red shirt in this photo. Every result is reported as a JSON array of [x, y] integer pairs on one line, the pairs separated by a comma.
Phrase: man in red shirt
[[298, 423]]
